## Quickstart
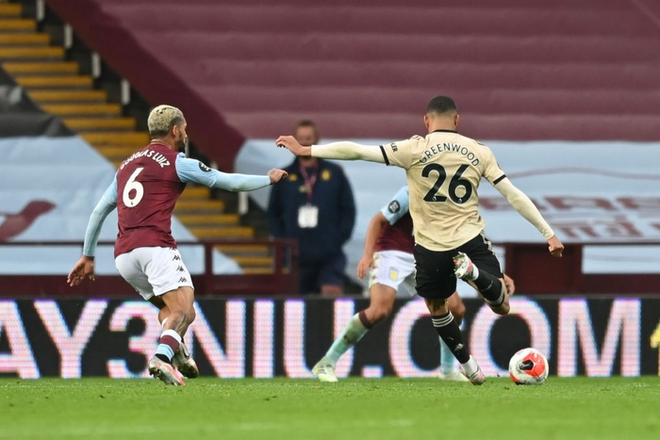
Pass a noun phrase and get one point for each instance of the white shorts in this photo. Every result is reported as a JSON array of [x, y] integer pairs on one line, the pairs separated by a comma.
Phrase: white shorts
[[153, 270], [395, 269]]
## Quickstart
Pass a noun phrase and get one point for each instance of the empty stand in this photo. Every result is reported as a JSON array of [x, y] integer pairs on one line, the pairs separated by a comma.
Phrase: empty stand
[[519, 70], [58, 87]]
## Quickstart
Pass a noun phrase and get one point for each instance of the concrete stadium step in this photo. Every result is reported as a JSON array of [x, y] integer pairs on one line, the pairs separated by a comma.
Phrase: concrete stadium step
[[18, 25], [68, 96], [253, 262], [222, 232], [31, 53], [115, 152], [244, 249], [41, 69], [196, 192], [100, 124], [10, 10], [57, 82], [208, 219], [199, 206], [113, 110], [24, 39], [257, 270], [138, 139]]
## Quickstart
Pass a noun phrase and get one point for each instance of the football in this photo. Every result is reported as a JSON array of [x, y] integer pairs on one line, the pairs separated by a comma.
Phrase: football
[[528, 367]]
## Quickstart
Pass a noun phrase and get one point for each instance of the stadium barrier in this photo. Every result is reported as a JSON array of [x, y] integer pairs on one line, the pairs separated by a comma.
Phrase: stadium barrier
[[263, 338], [201, 259]]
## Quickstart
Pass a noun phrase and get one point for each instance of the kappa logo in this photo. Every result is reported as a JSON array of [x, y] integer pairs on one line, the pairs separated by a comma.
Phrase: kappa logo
[[394, 207], [183, 280], [175, 258], [394, 147], [180, 269]]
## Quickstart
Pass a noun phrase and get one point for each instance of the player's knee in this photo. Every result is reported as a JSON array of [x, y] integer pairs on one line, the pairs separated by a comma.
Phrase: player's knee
[[380, 312]]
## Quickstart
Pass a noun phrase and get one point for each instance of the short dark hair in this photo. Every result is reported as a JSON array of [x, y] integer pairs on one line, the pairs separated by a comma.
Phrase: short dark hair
[[441, 104], [307, 123]]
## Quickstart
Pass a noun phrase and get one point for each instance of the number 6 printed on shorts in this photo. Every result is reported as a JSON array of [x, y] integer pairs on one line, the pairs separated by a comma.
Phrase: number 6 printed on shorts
[[133, 184]]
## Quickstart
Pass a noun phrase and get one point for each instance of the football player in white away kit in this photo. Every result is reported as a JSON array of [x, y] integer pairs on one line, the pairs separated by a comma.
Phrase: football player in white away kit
[[388, 251], [444, 170]]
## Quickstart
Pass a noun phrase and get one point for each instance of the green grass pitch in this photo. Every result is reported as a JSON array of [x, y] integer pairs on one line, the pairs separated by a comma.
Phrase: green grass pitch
[[391, 408]]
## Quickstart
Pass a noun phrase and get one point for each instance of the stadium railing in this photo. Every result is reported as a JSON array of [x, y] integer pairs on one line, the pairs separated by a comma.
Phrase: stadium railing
[[534, 271], [283, 278]]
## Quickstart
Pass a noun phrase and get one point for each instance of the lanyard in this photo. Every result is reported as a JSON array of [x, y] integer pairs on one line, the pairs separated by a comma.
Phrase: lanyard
[[309, 181]]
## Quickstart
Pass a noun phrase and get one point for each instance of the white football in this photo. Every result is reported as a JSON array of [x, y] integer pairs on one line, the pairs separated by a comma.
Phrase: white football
[[528, 367]]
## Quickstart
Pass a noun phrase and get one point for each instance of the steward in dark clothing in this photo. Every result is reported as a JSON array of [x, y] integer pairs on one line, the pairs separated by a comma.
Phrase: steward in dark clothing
[[314, 206]]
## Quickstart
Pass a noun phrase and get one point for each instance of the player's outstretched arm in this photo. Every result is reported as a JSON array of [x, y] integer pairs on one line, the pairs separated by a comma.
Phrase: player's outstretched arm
[[526, 208], [191, 170], [335, 150], [374, 229], [246, 182], [84, 268]]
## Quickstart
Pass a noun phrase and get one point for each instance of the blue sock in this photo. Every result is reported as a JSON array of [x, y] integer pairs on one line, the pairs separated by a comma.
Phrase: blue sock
[[169, 343], [348, 338], [447, 358]]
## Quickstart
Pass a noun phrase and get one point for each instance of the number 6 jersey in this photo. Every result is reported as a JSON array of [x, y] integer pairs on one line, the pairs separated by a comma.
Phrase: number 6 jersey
[[444, 170], [148, 187]]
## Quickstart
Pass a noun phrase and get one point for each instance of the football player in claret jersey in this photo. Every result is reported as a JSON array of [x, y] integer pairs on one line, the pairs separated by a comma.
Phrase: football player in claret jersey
[[144, 191], [444, 170], [388, 251]]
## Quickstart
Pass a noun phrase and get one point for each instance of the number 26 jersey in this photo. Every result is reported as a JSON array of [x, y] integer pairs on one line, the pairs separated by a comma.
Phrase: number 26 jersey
[[444, 170]]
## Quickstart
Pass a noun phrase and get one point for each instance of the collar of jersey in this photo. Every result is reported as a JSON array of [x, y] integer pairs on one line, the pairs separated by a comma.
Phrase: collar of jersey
[[444, 131]]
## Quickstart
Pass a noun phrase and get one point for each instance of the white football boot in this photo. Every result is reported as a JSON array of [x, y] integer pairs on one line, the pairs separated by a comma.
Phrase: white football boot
[[165, 372], [324, 370], [183, 362], [472, 371], [453, 376], [463, 266]]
